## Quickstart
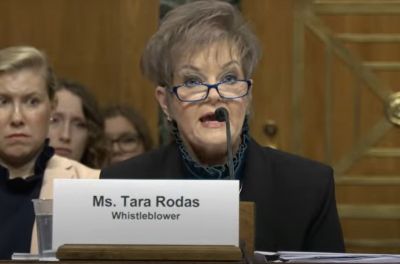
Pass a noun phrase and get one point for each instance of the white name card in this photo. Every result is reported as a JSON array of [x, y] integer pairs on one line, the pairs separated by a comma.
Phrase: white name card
[[146, 212]]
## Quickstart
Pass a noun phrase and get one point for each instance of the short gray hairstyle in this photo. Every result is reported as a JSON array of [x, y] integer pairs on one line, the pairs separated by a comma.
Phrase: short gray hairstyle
[[17, 58], [191, 27]]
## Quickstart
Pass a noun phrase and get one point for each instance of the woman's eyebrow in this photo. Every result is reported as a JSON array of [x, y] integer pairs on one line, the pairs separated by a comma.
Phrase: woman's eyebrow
[[231, 63], [190, 69]]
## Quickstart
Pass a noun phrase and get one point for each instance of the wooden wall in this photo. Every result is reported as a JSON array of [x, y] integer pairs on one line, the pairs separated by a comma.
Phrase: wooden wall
[[328, 72], [96, 42], [272, 21]]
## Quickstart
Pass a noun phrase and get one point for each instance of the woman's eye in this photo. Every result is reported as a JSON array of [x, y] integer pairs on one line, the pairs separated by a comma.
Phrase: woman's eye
[[230, 78], [3, 101], [33, 101], [192, 82], [54, 120], [80, 124], [128, 140]]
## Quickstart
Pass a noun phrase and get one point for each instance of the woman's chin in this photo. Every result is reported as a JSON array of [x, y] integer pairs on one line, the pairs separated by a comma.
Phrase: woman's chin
[[211, 146], [212, 139], [120, 158]]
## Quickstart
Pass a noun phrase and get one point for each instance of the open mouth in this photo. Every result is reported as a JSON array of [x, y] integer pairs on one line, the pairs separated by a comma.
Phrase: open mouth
[[209, 117]]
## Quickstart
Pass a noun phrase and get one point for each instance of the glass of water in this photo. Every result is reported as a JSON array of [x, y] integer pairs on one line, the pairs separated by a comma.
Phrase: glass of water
[[44, 224]]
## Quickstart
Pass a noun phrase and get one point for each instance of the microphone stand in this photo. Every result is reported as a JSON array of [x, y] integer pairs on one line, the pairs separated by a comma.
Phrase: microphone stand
[[221, 114]]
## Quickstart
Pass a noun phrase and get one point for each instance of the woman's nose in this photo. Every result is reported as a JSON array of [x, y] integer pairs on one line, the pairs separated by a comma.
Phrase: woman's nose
[[65, 132], [213, 93], [17, 116], [115, 147]]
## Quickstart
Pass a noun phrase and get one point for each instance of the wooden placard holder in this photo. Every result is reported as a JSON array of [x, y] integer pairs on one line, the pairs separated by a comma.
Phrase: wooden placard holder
[[168, 253]]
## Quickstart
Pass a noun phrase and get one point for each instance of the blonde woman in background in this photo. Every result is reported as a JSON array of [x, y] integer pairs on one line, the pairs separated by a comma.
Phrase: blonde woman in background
[[27, 164]]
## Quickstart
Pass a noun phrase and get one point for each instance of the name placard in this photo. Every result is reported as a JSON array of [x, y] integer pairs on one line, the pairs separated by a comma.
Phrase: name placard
[[146, 212]]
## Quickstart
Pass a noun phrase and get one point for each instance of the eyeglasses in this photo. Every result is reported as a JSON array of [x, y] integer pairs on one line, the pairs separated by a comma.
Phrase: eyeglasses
[[198, 91], [127, 142]]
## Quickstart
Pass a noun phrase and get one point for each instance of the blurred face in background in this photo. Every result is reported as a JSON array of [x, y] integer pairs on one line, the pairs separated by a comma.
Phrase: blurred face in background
[[124, 139], [68, 131], [25, 109]]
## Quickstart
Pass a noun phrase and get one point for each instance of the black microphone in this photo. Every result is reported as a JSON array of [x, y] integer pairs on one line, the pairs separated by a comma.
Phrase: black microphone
[[222, 115]]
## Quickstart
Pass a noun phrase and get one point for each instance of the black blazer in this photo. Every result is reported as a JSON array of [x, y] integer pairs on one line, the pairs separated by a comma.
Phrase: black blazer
[[294, 196]]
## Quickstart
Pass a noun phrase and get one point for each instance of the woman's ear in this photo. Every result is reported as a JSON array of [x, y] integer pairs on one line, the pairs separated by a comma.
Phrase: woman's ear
[[250, 99], [162, 98], [251, 85]]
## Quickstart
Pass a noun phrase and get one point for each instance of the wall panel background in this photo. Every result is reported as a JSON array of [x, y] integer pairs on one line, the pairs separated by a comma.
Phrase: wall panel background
[[96, 42]]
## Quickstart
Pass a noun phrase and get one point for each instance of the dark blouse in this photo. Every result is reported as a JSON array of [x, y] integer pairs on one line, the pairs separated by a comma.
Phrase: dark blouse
[[17, 215]]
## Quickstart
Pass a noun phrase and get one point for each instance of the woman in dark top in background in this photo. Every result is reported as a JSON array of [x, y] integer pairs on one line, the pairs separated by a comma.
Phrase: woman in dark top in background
[[202, 58], [27, 164]]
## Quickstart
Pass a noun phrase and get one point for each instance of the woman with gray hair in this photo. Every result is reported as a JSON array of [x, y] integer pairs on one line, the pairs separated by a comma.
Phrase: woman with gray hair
[[27, 164], [201, 59]]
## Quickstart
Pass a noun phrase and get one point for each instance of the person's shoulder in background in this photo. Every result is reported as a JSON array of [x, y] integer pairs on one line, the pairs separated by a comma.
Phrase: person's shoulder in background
[[59, 167], [148, 165], [73, 168]]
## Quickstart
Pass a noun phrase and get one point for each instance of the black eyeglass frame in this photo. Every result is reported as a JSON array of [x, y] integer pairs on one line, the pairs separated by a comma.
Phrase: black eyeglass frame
[[174, 90], [122, 146]]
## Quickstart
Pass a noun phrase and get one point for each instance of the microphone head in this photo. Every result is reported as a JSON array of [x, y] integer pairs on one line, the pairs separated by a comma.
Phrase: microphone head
[[221, 114]]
